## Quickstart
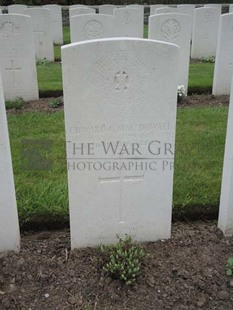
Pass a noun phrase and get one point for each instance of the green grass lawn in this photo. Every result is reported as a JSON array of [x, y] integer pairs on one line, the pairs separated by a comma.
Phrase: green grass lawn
[[198, 164]]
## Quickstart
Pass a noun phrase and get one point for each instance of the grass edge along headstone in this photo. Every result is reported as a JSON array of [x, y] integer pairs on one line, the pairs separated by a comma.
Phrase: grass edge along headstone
[[120, 93], [225, 220], [9, 225]]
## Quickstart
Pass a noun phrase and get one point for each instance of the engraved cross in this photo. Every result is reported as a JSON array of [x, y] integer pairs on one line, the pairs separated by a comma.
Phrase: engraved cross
[[121, 179], [13, 69]]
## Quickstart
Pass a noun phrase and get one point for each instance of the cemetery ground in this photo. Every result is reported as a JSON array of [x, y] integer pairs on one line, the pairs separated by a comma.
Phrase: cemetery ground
[[184, 272]]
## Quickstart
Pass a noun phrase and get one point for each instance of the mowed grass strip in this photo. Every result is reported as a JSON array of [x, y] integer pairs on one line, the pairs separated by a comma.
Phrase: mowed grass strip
[[200, 138]]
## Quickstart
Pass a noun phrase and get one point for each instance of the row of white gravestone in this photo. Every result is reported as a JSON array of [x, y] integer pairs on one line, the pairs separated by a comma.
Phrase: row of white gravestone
[[55, 19], [121, 144], [125, 22], [205, 23]]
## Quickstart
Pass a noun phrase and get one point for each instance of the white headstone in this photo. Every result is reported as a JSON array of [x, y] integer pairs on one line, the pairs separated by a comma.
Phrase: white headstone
[[155, 7], [121, 91], [231, 8], [56, 22], [81, 11], [9, 225], [42, 31], [89, 27], [205, 32], [167, 9], [223, 69], [176, 29], [225, 220], [139, 7], [106, 9], [17, 57], [215, 6], [186, 9], [73, 6], [129, 22], [16, 8]]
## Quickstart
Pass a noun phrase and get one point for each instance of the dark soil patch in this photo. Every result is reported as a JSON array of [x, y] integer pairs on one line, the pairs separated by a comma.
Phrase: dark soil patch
[[42, 105], [204, 101], [186, 272]]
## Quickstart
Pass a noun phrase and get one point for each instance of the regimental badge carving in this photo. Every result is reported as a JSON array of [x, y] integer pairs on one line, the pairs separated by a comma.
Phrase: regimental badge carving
[[120, 80], [9, 30], [93, 30], [126, 18], [170, 30], [207, 17]]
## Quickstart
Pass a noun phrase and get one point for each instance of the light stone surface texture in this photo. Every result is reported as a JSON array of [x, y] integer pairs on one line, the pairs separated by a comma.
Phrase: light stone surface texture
[[167, 9], [17, 57], [81, 11], [129, 22], [42, 32], [223, 69], [9, 225], [16, 8], [225, 220], [155, 7], [215, 6], [56, 22], [231, 8], [174, 28], [90, 27], [205, 32], [129, 97], [107, 9]]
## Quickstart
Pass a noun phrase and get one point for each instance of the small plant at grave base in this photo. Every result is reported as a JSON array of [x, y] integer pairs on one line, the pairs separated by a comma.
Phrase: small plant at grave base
[[229, 266], [42, 62], [54, 103], [123, 260], [180, 93], [14, 104], [210, 59]]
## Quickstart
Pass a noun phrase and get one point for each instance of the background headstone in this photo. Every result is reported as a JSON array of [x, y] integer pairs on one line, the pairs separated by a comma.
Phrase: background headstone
[[16, 8], [56, 22], [42, 32], [225, 220], [106, 9], [231, 8], [176, 29], [17, 57], [9, 225], [129, 22], [223, 69], [155, 7], [123, 92], [81, 11], [215, 6], [167, 9], [205, 32], [92, 26]]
